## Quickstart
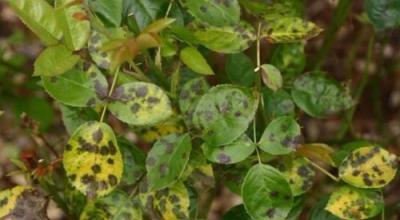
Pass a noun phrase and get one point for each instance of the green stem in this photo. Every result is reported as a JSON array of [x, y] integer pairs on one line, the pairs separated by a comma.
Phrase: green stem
[[358, 92], [336, 179], [342, 10], [116, 73]]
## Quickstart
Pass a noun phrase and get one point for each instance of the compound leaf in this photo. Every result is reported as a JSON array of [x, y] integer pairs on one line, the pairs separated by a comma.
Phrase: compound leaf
[[266, 193], [140, 103], [369, 167], [281, 136], [234, 152], [167, 160], [351, 203], [92, 159], [224, 113], [40, 17]]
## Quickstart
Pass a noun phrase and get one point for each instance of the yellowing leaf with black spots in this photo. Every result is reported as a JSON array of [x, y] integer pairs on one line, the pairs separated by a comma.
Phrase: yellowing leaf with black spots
[[167, 160], [92, 159], [290, 30], [22, 202], [140, 104], [115, 206], [234, 152], [151, 134], [224, 114], [171, 203], [228, 39], [282, 136], [266, 193], [352, 203], [299, 174], [78, 88], [369, 167]]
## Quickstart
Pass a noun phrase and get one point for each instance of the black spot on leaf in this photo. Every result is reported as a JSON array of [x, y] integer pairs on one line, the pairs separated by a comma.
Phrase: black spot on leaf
[[112, 180], [97, 135]]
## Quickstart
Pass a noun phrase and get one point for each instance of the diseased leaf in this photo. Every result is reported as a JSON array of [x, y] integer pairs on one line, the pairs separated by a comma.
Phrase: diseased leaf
[[266, 193], [152, 134], [214, 12], [109, 11], [352, 203], [134, 162], [271, 77], [240, 69], [192, 58], [282, 136], [317, 151], [84, 88], [40, 17], [74, 23], [278, 9], [92, 159], [319, 96], [170, 203], [228, 39], [299, 174], [115, 206], [224, 113], [144, 11], [290, 30], [234, 152], [383, 14], [140, 104], [54, 61], [318, 211], [167, 160], [346, 150], [277, 103], [22, 202], [369, 167]]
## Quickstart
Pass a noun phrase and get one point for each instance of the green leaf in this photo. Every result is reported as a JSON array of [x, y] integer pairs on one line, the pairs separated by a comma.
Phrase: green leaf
[[115, 206], [169, 203], [277, 103], [266, 193], [40, 17], [140, 103], [144, 11], [299, 173], [319, 96], [290, 59], [85, 89], [92, 159], [281, 136], [54, 61], [240, 69], [72, 21], [134, 162], [352, 203], [214, 12], [271, 77], [299, 203], [167, 160], [289, 30], [278, 9], [74, 117], [192, 58], [383, 14], [369, 167], [238, 213], [234, 152], [224, 113], [22, 202], [318, 212], [228, 39], [110, 11]]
